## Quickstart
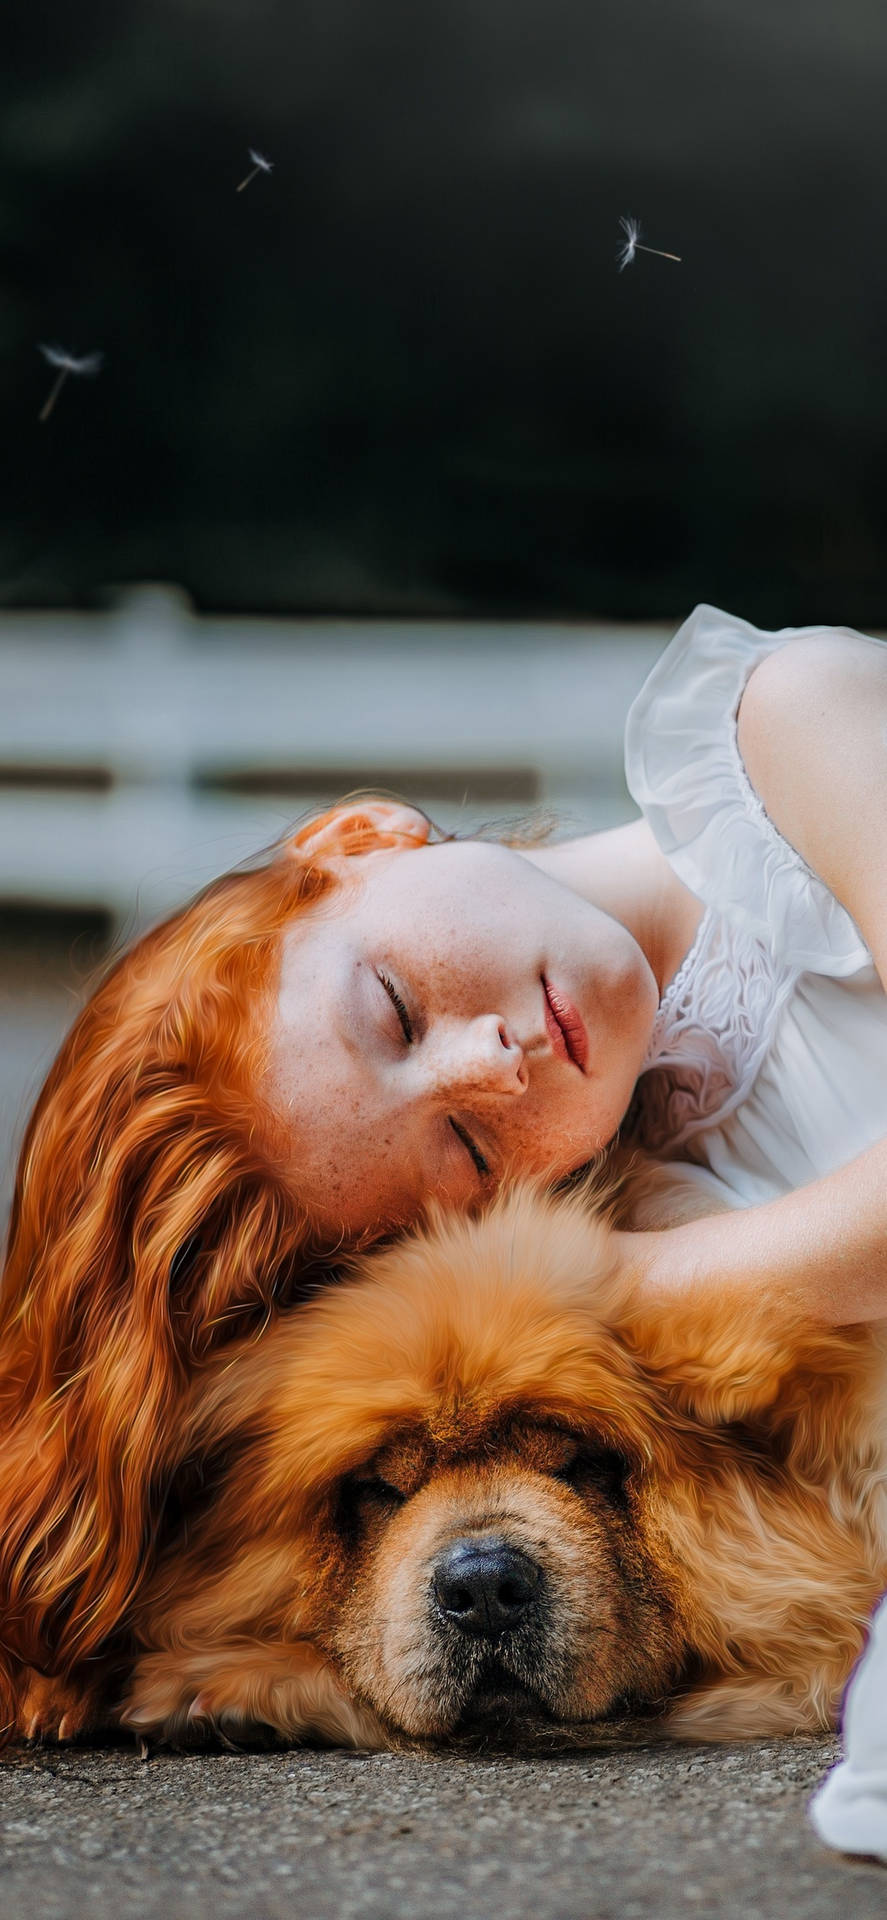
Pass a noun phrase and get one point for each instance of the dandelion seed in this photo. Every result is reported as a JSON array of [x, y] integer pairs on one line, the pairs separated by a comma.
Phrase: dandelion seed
[[632, 245], [88, 365], [260, 165]]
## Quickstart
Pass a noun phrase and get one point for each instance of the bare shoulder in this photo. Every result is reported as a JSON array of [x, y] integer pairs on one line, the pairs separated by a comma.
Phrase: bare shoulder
[[812, 732], [813, 678]]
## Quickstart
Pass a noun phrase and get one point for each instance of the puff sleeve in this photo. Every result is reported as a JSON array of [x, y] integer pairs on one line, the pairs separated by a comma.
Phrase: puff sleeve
[[684, 769]]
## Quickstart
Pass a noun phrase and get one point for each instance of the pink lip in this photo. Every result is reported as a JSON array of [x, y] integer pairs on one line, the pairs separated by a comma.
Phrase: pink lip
[[566, 1030]]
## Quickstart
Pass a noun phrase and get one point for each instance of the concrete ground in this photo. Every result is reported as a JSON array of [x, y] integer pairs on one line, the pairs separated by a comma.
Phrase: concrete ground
[[614, 1834]]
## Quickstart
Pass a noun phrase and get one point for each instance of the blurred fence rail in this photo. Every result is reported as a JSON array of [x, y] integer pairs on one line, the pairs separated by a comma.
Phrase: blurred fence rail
[[145, 749]]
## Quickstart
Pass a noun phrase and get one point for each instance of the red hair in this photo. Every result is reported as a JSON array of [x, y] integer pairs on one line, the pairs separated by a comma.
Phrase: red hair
[[150, 1223]]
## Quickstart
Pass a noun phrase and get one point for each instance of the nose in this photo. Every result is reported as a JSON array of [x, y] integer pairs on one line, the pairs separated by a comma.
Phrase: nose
[[485, 1587], [480, 1056]]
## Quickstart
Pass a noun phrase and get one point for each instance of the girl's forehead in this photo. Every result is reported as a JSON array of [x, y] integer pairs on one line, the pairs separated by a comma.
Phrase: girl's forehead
[[406, 890], [452, 871]]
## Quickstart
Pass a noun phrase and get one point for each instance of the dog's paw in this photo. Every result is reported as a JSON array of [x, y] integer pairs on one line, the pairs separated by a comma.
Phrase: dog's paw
[[750, 1708], [53, 1710], [291, 1691]]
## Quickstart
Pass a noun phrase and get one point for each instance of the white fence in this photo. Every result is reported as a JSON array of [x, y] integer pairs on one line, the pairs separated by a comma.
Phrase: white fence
[[145, 749]]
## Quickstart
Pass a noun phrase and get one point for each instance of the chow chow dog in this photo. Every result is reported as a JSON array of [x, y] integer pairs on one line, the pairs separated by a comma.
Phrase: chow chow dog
[[480, 1488]]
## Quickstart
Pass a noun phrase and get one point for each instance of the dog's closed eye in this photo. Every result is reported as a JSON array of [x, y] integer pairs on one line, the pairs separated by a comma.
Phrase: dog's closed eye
[[370, 1493], [373, 1487], [596, 1468], [365, 1501]]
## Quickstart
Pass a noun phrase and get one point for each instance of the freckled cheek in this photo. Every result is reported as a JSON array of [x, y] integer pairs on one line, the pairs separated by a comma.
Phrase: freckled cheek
[[352, 1169], [555, 1138]]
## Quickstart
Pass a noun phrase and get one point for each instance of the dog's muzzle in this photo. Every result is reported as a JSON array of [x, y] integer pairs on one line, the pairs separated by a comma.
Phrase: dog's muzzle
[[484, 1587]]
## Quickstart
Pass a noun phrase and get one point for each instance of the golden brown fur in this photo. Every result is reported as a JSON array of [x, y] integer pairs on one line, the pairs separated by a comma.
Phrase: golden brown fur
[[701, 1495]]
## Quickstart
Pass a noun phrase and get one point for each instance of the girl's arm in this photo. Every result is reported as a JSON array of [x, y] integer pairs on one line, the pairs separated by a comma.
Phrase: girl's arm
[[813, 735], [821, 1251]]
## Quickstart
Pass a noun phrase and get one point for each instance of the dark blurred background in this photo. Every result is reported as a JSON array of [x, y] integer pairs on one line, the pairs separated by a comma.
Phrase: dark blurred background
[[402, 373]]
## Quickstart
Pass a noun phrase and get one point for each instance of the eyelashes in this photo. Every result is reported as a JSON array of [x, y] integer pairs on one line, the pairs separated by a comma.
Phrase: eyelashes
[[474, 1150], [399, 1008]]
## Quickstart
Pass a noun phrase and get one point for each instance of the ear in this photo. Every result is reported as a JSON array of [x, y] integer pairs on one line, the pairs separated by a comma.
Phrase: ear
[[725, 1357], [361, 826]]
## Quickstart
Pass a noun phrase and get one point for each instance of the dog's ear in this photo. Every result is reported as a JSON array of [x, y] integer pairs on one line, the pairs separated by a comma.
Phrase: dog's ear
[[237, 1395], [723, 1355], [724, 1358]]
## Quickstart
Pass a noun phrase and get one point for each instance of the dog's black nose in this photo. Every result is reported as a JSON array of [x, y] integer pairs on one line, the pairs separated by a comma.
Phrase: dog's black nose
[[485, 1586]]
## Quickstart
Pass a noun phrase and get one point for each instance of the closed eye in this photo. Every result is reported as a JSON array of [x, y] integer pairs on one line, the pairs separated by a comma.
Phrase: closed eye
[[480, 1163], [360, 1501], [399, 1008], [599, 1468], [377, 1489]]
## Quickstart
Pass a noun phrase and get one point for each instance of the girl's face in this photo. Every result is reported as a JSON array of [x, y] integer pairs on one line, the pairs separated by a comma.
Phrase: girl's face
[[455, 1015]]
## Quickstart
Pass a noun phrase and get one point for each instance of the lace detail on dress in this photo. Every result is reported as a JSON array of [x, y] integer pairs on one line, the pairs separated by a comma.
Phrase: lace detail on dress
[[712, 1032]]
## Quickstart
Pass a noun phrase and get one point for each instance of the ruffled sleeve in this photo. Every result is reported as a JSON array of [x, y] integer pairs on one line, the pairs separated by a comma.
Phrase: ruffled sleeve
[[685, 771]]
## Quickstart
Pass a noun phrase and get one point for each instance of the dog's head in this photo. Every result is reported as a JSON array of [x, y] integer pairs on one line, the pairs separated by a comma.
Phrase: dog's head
[[460, 1477], [500, 1577]]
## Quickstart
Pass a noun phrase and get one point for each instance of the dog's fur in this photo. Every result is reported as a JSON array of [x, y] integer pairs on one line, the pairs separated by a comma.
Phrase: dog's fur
[[699, 1496]]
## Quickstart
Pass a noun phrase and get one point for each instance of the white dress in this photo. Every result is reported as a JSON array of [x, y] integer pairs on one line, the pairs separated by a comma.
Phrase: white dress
[[767, 1065], [768, 1059]]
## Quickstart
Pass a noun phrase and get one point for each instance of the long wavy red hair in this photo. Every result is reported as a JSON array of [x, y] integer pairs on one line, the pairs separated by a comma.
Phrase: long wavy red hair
[[150, 1223]]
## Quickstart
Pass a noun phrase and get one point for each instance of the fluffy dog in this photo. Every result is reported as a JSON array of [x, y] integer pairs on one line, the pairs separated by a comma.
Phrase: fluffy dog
[[479, 1486]]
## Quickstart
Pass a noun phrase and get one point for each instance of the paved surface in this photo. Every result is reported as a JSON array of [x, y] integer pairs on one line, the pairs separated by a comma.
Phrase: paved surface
[[614, 1834]]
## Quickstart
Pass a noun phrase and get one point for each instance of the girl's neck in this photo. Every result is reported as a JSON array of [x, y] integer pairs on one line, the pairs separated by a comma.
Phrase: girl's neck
[[624, 873]]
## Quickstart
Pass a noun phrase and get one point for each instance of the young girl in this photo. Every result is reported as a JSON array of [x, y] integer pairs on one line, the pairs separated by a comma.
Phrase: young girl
[[299, 1060]]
